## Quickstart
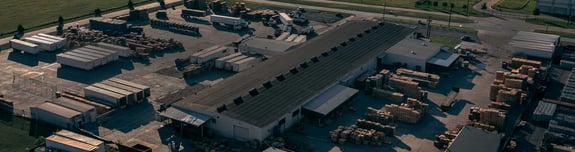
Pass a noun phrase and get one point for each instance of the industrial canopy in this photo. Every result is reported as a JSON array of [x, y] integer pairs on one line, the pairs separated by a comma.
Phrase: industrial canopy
[[186, 116], [331, 99]]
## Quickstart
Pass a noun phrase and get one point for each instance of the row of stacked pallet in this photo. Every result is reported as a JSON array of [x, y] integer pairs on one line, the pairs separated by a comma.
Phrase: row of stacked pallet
[[509, 88], [354, 134]]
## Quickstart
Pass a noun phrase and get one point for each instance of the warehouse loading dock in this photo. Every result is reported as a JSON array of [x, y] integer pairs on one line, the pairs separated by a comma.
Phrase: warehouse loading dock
[[326, 104]]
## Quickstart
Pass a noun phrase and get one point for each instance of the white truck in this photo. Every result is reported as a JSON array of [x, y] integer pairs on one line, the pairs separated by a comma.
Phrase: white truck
[[27, 47], [235, 22]]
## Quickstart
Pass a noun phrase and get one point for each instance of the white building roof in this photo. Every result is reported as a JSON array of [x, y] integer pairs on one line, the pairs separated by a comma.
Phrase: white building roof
[[59, 110], [415, 48]]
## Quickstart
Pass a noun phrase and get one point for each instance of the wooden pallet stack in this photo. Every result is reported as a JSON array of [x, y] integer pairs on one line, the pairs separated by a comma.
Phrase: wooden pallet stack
[[416, 104], [356, 135], [388, 130], [379, 116], [409, 88], [518, 62], [403, 113], [424, 79], [395, 97], [487, 116]]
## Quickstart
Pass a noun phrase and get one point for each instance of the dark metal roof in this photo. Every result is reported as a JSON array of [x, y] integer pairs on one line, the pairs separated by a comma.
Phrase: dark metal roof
[[472, 139], [238, 85], [286, 96]]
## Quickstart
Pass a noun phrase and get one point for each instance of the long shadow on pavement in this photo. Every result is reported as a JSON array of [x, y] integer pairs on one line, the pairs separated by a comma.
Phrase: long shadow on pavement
[[130, 118], [95, 75], [30, 59], [459, 106]]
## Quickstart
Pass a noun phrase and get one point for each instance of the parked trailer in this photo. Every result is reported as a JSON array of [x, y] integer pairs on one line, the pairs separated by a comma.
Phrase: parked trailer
[[228, 64], [236, 22], [107, 56], [103, 60], [193, 12], [95, 60], [132, 84], [139, 93], [122, 51], [106, 96], [131, 97], [244, 64], [285, 19], [194, 56], [44, 45], [283, 36], [27, 47], [100, 107], [219, 52], [58, 43], [115, 53], [72, 61], [51, 36], [220, 62], [300, 39]]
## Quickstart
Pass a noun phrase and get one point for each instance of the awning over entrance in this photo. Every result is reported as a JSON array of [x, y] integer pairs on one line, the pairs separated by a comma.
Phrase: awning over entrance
[[443, 58], [330, 99], [186, 116]]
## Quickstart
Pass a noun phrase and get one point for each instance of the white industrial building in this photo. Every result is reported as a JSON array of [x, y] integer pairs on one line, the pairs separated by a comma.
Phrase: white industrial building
[[559, 7], [57, 115], [117, 92], [419, 55], [269, 98], [68, 141], [535, 44]]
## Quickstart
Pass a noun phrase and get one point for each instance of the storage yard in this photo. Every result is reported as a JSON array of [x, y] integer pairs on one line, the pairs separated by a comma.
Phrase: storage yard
[[237, 79]]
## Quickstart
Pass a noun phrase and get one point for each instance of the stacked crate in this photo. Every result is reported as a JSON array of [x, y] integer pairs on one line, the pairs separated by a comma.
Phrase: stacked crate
[[379, 116], [388, 130], [359, 136], [409, 88], [389, 95], [494, 90], [416, 104], [528, 70], [424, 79], [403, 113], [510, 96], [491, 116]]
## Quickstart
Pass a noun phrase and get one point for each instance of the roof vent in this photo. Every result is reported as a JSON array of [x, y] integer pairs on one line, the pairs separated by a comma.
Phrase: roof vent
[[222, 108], [413, 52], [254, 92], [303, 65], [268, 84], [343, 44], [351, 39], [294, 70], [325, 54], [367, 31], [239, 100], [374, 27], [280, 77], [334, 49], [359, 35], [315, 59]]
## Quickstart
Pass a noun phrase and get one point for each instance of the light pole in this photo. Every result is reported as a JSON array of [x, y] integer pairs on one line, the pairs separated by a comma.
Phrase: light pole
[[467, 8], [384, 6]]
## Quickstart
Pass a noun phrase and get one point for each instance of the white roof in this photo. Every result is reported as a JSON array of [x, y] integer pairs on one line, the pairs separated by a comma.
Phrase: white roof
[[330, 99]]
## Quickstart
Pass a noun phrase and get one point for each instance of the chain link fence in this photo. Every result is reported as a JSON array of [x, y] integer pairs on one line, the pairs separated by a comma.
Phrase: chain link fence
[[36, 86]]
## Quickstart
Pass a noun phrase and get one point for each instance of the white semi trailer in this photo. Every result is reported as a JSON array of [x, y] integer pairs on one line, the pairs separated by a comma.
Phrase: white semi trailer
[[235, 22], [27, 47]]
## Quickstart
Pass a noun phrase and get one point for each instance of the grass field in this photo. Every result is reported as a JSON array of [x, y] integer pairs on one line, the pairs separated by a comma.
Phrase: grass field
[[562, 34], [17, 135], [561, 24], [426, 5], [451, 42], [31, 13], [377, 10], [516, 6]]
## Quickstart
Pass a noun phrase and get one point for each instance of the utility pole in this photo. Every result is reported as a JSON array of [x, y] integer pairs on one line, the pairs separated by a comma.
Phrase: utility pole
[[384, 6], [450, 12], [468, 8], [428, 33], [570, 12]]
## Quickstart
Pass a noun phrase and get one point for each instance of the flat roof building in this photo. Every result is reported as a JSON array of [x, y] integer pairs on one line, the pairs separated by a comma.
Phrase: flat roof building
[[416, 54], [472, 139], [535, 44], [65, 140], [57, 115]]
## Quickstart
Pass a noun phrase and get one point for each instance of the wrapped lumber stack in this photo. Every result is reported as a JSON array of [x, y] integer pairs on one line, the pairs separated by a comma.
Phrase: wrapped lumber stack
[[509, 96], [424, 79], [408, 88], [403, 113], [388, 130], [490, 116], [379, 116], [515, 83], [474, 114], [500, 75], [389, 95], [375, 81], [528, 70], [494, 90], [359, 136], [518, 62], [386, 75]]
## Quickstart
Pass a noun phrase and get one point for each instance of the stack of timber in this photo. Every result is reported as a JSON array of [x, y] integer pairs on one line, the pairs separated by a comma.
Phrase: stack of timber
[[404, 113], [443, 140], [175, 27], [424, 79], [375, 81], [359, 136], [518, 62], [388, 130], [416, 104], [379, 116], [389, 95], [409, 88], [487, 116]]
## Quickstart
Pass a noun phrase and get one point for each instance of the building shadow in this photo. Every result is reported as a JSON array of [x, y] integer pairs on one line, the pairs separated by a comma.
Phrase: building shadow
[[32, 59], [426, 128], [208, 75], [130, 118], [197, 21], [95, 75], [459, 106]]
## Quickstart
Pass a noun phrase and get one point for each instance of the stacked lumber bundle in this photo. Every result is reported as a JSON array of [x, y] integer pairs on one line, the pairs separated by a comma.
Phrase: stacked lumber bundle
[[379, 116], [518, 62], [375, 81], [416, 104], [388, 130], [276, 142], [508, 96], [484, 126], [424, 79], [487, 116], [409, 88], [528, 70], [403, 113], [389, 95], [359, 136], [443, 140]]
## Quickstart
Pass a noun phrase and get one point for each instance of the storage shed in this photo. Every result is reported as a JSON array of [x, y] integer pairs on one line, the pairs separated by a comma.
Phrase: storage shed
[[57, 115], [65, 140], [535, 44]]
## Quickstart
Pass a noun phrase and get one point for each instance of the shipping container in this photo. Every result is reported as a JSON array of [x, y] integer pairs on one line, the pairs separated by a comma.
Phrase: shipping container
[[109, 57], [228, 64], [58, 42], [51, 36], [27, 47], [244, 64], [139, 93], [95, 60], [220, 62], [115, 53], [212, 55], [109, 97], [56, 115], [195, 56], [132, 84], [77, 62], [88, 112], [122, 51], [103, 60], [131, 96], [285, 19], [44, 45]]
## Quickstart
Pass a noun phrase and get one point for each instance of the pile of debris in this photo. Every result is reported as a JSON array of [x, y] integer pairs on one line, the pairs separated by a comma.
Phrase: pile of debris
[[275, 142], [212, 145], [487, 118], [219, 6], [356, 135], [239, 9], [263, 14], [175, 27]]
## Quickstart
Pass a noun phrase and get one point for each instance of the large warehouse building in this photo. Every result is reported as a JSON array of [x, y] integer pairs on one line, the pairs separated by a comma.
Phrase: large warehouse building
[[269, 98], [559, 7], [420, 55]]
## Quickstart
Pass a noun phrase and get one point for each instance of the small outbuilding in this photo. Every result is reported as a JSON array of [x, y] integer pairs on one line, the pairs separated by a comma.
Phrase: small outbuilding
[[535, 44]]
